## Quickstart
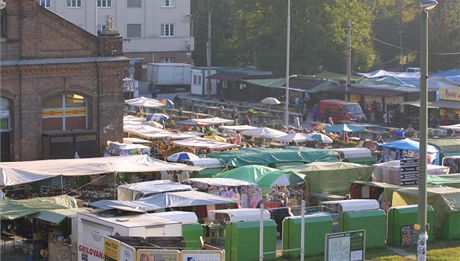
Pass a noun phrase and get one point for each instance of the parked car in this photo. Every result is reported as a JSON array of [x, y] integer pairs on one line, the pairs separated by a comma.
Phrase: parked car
[[341, 111]]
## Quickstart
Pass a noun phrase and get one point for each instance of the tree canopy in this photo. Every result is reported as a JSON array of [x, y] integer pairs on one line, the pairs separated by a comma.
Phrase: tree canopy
[[254, 33]]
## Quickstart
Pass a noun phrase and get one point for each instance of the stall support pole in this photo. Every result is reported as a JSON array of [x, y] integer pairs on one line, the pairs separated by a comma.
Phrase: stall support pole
[[302, 231], [261, 233], [62, 186]]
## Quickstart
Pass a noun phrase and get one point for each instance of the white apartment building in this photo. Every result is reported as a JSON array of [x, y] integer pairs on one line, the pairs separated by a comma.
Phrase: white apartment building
[[153, 30]]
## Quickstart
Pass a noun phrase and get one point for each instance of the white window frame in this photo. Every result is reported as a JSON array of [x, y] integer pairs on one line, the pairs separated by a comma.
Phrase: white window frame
[[167, 30], [199, 80], [100, 28], [73, 3], [44, 3], [168, 59], [64, 116], [104, 3], [168, 3]]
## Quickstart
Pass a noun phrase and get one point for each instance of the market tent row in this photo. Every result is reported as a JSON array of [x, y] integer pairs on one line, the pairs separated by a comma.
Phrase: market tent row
[[164, 201], [261, 156], [449, 146], [265, 177], [13, 209], [15, 173], [444, 200], [204, 143], [332, 178], [146, 130], [129, 192]]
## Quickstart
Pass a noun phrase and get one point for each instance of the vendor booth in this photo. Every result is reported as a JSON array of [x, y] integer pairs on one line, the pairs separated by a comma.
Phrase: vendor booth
[[248, 194], [409, 148]]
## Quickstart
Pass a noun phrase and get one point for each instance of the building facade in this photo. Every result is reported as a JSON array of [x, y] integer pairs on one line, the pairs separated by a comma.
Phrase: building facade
[[61, 87], [152, 30]]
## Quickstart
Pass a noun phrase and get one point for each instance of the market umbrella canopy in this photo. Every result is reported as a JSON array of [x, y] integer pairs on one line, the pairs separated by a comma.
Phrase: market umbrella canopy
[[159, 117], [167, 102], [265, 177], [238, 127], [408, 144], [212, 121], [343, 128], [270, 101], [182, 156], [264, 132], [319, 137], [156, 124], [293, 137], [204, 143], [144, 102]]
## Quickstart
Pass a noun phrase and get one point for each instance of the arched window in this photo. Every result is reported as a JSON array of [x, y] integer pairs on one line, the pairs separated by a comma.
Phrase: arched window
[[5, 123], [68, 111]]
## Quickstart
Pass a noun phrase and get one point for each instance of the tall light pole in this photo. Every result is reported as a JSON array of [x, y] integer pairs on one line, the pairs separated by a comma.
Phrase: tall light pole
[[348, 83], [401, 53], [288, 50], [426, 5]]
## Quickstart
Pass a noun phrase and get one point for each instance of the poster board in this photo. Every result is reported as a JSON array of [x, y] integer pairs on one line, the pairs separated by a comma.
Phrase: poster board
[[127, 252], [111, 249], [202, 255], [345, 246], [157, 255], [409, 235]]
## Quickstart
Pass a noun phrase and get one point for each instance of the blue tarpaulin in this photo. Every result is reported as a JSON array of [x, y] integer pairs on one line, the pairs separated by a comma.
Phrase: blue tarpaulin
[[344, 127], [448, 73], [408, 144]]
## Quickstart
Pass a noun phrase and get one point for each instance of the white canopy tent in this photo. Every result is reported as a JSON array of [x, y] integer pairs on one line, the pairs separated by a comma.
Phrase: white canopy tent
[[15, 173], [204, 143], [129, 192], [144, 102], [238, 128], [212, 121], [264, 132], [455, 127], [292, 137]]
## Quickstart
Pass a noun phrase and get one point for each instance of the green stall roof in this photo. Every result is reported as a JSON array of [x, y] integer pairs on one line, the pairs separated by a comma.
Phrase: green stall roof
[[333, 177], [260, 156], [13, 209], [265, 177], [56, 216]]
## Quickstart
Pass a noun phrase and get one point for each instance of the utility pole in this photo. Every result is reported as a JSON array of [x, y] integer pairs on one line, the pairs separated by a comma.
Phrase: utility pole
[[401, 55], [348, 83], [288, 52], [208, 53]]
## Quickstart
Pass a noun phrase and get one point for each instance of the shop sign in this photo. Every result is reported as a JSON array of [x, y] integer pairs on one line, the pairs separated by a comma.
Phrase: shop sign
[[449, 94]]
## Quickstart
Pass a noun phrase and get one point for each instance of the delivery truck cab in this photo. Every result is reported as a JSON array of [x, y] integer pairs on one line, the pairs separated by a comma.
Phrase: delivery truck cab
[[340, 111]]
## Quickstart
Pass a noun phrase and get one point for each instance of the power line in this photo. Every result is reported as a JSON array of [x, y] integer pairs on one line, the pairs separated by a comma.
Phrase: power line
[[410, 50]]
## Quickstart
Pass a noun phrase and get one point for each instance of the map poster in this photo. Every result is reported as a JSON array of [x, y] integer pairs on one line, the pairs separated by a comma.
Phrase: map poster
[[345, 246]]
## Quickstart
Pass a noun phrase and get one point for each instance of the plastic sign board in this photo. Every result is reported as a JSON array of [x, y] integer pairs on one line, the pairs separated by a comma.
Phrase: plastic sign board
[[202, 255], [345, 246], [157, 255], [111, 249], [409, 172], [127, 252]]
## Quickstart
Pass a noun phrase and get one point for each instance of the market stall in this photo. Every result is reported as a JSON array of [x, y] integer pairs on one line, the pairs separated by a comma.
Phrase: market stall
[[248, 194], [122, 149], [408, 148], [356, 155], [273, 157], [202, 143]]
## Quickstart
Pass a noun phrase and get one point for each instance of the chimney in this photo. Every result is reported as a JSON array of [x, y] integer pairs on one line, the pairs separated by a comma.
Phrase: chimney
[[110, 41]]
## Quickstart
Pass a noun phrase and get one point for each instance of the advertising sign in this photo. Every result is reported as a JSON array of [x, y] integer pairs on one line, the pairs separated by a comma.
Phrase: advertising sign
[[157, 255], [345, 246], [127, 253], [449, 94], [111, 249], [202, 255], [409, 172]]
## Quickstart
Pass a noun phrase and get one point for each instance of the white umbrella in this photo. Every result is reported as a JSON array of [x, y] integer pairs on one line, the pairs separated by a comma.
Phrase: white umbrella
[[181, 156], [264, 133], [144, 102], [319, 137], [270, 101], [293, 137]]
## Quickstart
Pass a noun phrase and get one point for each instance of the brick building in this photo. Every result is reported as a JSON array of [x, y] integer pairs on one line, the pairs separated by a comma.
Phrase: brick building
[[61, 87]]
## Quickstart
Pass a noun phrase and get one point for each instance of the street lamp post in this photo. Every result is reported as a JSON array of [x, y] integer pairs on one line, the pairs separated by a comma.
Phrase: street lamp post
[[425, 5], [401, 54], [288, 50]]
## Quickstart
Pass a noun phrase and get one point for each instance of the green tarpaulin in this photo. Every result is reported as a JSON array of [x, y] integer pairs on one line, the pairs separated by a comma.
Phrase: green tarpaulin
[[259, 156], [13, 209], [265, 177], [56, 216], [450, 180], [332, 177], [443, 199]]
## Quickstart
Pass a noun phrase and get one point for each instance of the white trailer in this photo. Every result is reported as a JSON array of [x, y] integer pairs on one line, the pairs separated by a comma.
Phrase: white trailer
[[199, 85], [170, 76], [93, 227]]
